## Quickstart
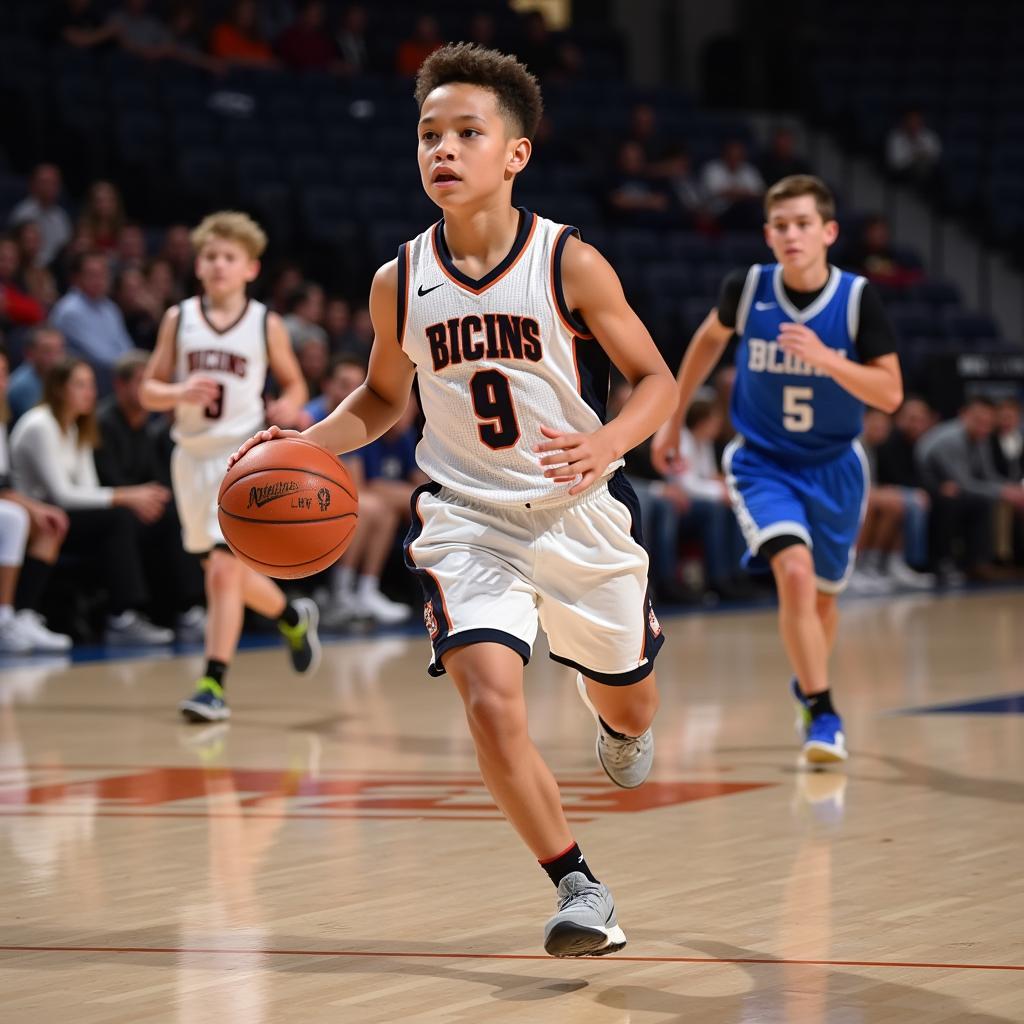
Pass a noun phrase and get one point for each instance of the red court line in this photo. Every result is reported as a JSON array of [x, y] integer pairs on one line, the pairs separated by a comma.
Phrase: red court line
[[369, 954]]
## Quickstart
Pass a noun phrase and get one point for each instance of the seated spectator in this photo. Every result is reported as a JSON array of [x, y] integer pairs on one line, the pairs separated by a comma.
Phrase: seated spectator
[[686, 189], [633, 197], [912, 150], [1008, 457], [874, 257], [129, 456], [710, 514], [958, 471], [17, 307], [187, 42], [734, 188], [237, 39], [880, 564], [141, 314], [313, 358], [102, 218], [351, 39], [306, 45], [140, 32], [162, 284], [35, 278], [643, 130], [897, 467], [337, 321], [781, 159], [31, 534], [412, 52], [42, 205], [52, 457], [44, 348], [78, 23], [177, 252], [361, 333], [304, 310], [355, 577], [89, 319], [131, 247]]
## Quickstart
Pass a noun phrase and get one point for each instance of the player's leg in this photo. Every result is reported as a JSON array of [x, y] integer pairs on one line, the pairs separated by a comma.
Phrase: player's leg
[[381, 517], [297, 620], [44, 544], [14, 528]]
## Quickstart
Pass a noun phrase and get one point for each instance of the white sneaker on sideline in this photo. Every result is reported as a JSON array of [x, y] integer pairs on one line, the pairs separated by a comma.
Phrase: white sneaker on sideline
[[902, 574], [13, 638], [33, 625], [377, 606]]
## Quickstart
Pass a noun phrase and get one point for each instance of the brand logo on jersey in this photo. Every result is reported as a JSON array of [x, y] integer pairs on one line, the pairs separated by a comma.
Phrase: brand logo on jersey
[[260, 496], [762, 306], [430, 620], [652, 621], [323, 497], [769, 357], [491, 336], [421, 291], [215, 359]]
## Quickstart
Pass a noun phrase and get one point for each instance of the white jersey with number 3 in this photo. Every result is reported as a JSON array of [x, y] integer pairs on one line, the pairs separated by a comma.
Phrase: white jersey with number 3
[[236, 358], [496, 358]]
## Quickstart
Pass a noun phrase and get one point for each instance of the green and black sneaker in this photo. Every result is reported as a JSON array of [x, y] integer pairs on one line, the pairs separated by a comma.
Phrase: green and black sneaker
[[303, 641], [207, 704]]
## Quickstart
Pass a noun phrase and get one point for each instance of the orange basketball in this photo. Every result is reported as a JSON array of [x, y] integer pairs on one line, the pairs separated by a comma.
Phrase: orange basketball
[[288, 508]]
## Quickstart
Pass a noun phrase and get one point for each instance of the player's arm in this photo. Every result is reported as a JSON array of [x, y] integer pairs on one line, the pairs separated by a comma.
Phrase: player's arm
[[593, 288], [702, 355], [381, 399], [284, 409], [159, 391]]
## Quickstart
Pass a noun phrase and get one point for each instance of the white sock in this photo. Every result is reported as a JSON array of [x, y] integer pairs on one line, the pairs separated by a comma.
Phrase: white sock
[[368, 585], [6, 613], [344, 580]]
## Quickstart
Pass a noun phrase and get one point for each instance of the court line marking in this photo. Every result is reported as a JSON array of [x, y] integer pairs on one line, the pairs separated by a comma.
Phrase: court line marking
[[408, 955]]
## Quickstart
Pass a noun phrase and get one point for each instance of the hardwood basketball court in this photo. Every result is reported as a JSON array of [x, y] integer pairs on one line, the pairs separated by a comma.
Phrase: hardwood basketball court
[[332, 856]]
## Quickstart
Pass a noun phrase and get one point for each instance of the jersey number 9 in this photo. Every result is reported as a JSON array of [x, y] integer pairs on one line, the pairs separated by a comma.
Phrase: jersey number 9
[[492, 403], [797, 411]]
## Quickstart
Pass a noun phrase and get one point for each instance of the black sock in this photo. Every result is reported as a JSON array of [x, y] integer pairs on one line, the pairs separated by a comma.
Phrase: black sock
[[216, 670], [32, 580], [565, 864], [611, 732], [820, 704], [289, 617]]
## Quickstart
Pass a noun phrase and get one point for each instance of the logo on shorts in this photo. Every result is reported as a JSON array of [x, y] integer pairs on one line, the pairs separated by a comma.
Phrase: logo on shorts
[[430, 620], [323, 496], [652, 621], [260, 496]]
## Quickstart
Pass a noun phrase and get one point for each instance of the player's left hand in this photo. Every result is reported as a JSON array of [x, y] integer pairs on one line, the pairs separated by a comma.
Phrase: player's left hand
[[803, 343], [583, 456]]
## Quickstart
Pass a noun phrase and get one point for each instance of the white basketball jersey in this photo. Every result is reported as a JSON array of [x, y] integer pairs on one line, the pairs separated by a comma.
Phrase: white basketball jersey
[[495, 359], [236, 358]]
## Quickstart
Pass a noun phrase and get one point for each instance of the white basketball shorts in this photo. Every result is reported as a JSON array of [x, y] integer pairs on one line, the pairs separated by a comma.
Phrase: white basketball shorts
[[493, 573], [196, 481]]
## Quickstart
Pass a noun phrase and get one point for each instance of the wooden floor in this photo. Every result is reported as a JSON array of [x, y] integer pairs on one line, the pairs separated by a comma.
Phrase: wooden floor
[[332, 856]]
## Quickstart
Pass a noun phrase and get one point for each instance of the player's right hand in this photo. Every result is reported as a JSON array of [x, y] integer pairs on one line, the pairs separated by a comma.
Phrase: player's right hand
[[200, 390], [264, 435], [665, 457]]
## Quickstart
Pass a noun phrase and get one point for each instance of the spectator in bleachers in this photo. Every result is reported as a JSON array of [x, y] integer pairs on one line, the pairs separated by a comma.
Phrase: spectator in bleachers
[[306, 44], [781, 158], [897, 467], [188, 38], [36, 278], [873, 256], [17, 307], [1008, 441], [303, 313], [52, 456], [361, 332], [44, 348], [141, 314], [131, 247], [734, 188], [42, 205], [959, 473], [686, 188], [286, 281], [89, 319], [177, 251], [351, 39], [102, 218], [345, 373], [633, 197], [337, 322], [78, 23], [128, 455], [162, 284], [238, 39], [643, 130], [913, 150], [482, 30], [140, 32], [31, 534], [313, 357], [412, 52]]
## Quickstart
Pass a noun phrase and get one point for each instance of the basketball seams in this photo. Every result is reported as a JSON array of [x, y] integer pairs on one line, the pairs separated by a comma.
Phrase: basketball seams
[[289, 469], [287, 522]]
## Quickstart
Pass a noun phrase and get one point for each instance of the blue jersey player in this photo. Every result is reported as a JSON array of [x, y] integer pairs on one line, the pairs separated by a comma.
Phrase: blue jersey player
[[814, 349]]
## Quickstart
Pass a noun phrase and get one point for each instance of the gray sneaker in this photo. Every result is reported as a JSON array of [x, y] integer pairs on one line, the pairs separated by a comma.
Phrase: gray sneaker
[[585, 924], [627, 762], [130, 629]]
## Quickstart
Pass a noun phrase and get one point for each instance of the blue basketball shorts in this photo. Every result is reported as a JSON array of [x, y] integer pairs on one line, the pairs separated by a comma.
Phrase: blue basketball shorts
[[822, 504]]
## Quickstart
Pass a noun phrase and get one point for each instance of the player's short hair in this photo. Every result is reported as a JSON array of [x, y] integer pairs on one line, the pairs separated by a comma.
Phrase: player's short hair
[[802, 185], [233, 226], [129, 364], [517, 91]]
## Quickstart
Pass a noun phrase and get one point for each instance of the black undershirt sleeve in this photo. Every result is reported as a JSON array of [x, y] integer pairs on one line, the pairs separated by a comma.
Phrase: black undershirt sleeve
[[875, 334], [729, 297]]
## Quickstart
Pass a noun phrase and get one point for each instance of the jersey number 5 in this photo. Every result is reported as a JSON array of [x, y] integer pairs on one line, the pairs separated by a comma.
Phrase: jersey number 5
[[492, 403], [797, 411]]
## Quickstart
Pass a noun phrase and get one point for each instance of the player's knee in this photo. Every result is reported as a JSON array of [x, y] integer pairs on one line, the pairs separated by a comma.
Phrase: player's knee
[[493, 716], [795, 574], [636, 717], [223, 572]]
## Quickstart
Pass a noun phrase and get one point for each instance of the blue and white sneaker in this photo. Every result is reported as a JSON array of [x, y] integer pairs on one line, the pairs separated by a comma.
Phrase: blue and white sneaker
[[207, 704], [825, 742], [303, 640], [803, 712]]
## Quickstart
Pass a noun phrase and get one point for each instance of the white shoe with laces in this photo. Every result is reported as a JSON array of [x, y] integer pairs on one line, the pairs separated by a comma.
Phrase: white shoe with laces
[[13, 638], [34, 626], [377, 606]]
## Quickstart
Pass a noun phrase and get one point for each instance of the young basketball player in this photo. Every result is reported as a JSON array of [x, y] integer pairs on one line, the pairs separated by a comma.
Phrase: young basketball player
[[210, 366], [510, 325], [815, 346]]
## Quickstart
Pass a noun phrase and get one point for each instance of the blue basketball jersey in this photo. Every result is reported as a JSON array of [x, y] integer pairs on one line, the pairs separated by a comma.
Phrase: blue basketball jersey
[[780, 404]]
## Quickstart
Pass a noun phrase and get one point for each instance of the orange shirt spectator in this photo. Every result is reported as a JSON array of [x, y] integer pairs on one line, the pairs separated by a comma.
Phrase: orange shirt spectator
[[413, 52], [238, 38]]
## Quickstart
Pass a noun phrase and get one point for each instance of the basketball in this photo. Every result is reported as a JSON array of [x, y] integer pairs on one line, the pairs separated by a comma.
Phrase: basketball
[[288, 508]]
